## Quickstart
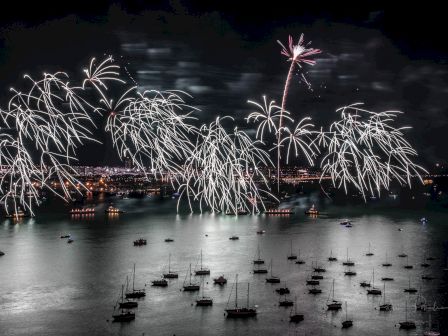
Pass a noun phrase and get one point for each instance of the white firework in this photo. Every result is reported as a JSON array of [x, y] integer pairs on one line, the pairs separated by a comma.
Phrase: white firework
[[366, 151], [223, 172]]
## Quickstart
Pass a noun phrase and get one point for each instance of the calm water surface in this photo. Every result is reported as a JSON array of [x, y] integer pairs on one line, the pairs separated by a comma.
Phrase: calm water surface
[[49, 287]]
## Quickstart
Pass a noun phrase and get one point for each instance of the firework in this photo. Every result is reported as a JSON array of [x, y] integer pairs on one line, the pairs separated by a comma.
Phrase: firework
[[366, 151], [223, 171], [297, 54]]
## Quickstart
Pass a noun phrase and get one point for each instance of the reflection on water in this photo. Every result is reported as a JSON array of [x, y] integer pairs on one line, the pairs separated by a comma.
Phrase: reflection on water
[[49, 287]]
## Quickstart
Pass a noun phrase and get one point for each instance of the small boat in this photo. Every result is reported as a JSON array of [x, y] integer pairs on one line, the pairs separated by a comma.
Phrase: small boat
[[220, 280], [136, 293], [387, 279], [402, 254], [259, 270], [373, 290], [285, 302], [272, 278], [169, 240], [140, 242], [312, 211], [190, 287], [407, 266], [65, 236], [82, 211], [315, 291], [17, 214], [319, 269], [313, 282], [170, 274], [407, 325], [430, 258], [241, 312], [234, 238], [2, 253], [261, 232], [369, 252], [386, 263], [386, 307], [349, 225], [350, 273], [420, 303], [111, 210], [291, 255], [159, 283], [348, 262], [202, 270], [283, 290], [410, 289], [277, 211], [345, 222], [331, 258], [333, 304], [240, 212], [258, 261], [430, 332], [364, 284], [204, 301], [125, 316], [70, 240], [317, 277], [295, 317], [299, 261], [347, 323], [126, 304], [427, 277]]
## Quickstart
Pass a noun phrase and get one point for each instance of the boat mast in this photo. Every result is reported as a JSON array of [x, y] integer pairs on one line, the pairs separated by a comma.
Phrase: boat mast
[[236, 291], [346, 311], [201, 259], [384, 291], [169, 263], [271, 268], [190, 273], [122, 296], [291, 247], [247, 295], [373, 278], [133, 279]]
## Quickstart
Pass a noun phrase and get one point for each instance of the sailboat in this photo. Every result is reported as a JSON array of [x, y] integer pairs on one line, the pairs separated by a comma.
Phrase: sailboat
[[386, 263], [300, 261], [385, 306], [202, 270], [190, 287], [424, 263], [373, 290], [283, 290], [430, 332], [258, 261], [407, 324], [369, 252], [296, 318], [311, 281], [402, 254], [126, 303], [160, 283], [272, 278], [348, 262], [333, 304], [410, 289], [291, 255], [407, 266], [241, 312], [123, 315], [204, 300], [136, 293], [170, 275], [331, 258], [347, 323], [285, 302]]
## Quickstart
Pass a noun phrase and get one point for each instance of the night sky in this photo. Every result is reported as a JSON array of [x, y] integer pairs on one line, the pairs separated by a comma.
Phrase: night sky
[[224, 54]]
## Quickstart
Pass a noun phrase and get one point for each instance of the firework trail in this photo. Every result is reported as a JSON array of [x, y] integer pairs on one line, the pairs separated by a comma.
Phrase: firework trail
[[297, 54], [223, 173], [51, 120], [365, 150]]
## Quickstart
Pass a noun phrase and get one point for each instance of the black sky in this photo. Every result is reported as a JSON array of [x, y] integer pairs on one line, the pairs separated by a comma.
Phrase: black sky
[[224, 53]]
